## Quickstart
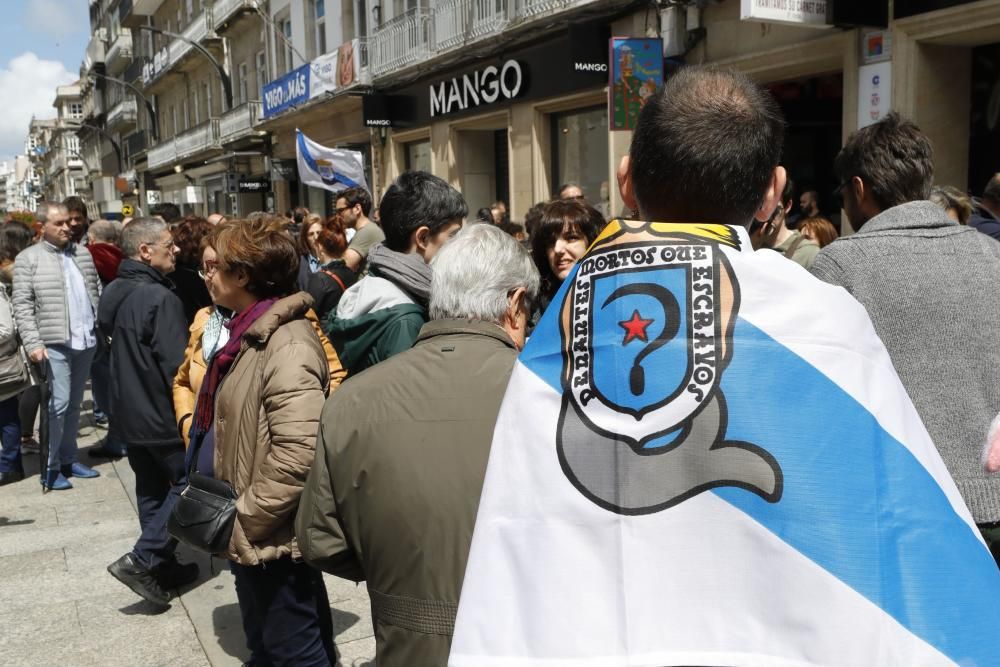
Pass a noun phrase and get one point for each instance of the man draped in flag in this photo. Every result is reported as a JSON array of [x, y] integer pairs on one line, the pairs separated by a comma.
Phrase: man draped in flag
[[705, 456]]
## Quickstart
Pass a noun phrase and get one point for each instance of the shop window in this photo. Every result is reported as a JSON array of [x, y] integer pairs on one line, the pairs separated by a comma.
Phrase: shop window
[[580, 154], [418, 156]]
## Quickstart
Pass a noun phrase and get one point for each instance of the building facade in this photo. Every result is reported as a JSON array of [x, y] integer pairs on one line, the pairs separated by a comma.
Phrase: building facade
[[216, 91]]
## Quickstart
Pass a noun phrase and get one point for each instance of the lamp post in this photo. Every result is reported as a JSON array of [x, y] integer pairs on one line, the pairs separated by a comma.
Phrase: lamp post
[[114, 143], [153, 125], [227, 86]]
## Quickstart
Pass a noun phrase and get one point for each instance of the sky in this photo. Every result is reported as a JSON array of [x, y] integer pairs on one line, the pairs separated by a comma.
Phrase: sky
[[42, 43]]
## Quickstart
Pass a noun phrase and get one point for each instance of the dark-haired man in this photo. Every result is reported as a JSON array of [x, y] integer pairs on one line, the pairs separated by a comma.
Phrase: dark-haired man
[[925, 282], [168, 212], [78, 218], [382, 314], [354, 206], [986, 217]]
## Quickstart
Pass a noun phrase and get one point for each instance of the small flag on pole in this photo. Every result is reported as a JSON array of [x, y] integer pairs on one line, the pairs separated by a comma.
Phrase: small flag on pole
[[332, 169]]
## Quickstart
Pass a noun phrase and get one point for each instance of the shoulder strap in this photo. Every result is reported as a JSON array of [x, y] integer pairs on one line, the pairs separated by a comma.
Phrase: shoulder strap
[[335, 277], [795, 246]]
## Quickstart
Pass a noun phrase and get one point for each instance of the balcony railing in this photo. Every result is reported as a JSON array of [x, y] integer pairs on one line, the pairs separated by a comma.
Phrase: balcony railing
[[239, 122], [94, 55], [122, 114], [402, 41], [199, 29], [457, 22], [527, 9], [202, 138], [224, 10], [120, 52]]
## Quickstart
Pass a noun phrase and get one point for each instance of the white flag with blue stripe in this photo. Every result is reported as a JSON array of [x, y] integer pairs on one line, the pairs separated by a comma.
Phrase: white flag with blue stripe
[[705, 457], [333, 169]]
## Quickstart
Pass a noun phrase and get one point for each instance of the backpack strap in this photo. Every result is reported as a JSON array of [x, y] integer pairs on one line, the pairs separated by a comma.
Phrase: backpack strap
[[795, 246], [335, 277]]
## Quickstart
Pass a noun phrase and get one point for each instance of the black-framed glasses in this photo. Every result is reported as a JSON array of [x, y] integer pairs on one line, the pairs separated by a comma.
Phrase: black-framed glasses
[[208, 269]]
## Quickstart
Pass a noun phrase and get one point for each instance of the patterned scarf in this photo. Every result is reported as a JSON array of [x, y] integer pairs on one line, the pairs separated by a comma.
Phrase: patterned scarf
[[204, 412]]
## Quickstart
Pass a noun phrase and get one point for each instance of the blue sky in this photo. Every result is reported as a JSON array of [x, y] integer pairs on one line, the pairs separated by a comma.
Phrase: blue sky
[[41, 46]]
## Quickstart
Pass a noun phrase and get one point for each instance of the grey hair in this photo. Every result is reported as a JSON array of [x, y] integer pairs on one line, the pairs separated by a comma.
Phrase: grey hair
[[104, 231], [141, 231], [475, 273], [45, 209]]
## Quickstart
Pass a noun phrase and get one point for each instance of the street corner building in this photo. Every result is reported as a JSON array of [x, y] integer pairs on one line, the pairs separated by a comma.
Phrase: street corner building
[[684, 474]]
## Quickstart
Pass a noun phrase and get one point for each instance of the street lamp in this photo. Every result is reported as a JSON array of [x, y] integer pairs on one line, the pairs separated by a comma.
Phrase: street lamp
[[114, 143], [153, 125], [227, 86]]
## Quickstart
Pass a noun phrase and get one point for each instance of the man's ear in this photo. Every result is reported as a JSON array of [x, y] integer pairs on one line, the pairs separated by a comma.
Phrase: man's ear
[[625, 183], [419, 239], [772, 197]]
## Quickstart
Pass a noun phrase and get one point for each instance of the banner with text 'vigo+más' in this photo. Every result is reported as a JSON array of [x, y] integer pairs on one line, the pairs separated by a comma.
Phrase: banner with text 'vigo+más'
[[287, 91]]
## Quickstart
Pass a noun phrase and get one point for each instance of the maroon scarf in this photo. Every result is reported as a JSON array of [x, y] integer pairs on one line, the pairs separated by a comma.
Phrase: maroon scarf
[[204, 412]]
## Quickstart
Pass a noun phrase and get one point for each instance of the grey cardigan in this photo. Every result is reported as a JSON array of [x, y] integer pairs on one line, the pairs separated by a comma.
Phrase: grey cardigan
[[930, 288], [40, 302]]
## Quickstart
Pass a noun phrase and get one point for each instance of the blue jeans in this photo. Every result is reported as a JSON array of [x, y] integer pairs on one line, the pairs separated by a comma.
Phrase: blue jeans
[[159, 479], [10, 436], [68, 373], [286, 614]]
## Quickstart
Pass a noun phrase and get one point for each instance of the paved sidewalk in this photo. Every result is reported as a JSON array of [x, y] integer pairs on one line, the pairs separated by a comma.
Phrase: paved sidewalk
[[59, 606]]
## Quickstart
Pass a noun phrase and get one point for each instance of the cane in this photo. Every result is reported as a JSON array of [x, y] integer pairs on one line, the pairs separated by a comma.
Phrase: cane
[[42, 368]]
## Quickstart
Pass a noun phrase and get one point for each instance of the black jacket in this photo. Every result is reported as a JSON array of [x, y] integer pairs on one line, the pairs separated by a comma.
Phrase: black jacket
[[190, 287], [327, 290], [144, 319], [985, 222]]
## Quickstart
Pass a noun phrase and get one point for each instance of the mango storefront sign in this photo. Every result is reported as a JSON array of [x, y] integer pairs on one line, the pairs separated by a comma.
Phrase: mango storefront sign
[[476, 88]]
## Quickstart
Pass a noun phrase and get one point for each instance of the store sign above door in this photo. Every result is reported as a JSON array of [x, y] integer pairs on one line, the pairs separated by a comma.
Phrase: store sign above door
[[482, 87], [806, 13]]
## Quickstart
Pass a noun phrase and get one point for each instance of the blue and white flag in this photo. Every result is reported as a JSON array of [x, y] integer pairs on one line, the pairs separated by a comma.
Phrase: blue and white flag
[[333, 169], [705, 457]]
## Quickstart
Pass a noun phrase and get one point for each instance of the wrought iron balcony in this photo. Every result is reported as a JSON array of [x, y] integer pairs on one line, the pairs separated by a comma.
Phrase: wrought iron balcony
[[457, 22], [402, 41], [239, 122], [119, 53]]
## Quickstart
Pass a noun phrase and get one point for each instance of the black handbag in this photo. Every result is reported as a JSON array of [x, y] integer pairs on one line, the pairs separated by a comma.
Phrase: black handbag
[[204, 513]]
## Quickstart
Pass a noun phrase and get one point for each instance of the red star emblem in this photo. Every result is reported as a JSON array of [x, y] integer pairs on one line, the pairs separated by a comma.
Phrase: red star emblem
[[635, 328]]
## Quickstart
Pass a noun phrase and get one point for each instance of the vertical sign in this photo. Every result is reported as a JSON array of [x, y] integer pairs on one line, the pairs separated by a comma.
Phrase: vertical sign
[[636, 73], [874, 92]]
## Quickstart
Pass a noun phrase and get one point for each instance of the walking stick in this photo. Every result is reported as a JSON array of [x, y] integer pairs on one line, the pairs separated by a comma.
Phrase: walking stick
[[43, 421]]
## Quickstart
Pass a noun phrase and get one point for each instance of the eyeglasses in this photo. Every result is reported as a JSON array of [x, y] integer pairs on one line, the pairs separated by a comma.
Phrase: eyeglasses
[[208, 269]]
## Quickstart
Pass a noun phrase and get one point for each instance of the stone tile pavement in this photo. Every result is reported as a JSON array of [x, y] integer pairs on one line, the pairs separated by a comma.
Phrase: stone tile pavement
[[59, 606]]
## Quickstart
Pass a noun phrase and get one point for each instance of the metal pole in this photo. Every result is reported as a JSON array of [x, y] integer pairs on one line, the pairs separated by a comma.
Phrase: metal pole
[[114, 144], [227, 86], [154, 126]]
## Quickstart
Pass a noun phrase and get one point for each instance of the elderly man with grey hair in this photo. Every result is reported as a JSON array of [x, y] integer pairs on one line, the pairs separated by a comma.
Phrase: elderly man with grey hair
[[55, 299], [145, 322], [402, 449]]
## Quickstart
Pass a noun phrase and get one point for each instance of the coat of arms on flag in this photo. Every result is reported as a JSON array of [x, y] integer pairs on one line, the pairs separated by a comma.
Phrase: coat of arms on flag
[[705, 457], [333, 169]]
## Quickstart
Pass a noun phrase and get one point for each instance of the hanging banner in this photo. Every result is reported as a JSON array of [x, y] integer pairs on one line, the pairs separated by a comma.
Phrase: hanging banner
[[287, 91], [335, 70], [636, 75]]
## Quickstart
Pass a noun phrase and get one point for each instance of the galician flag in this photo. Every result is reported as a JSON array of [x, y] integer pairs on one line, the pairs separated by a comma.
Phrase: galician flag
[[333, 169], [705, 457]]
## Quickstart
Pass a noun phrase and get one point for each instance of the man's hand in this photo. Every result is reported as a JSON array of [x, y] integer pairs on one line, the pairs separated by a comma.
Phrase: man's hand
[[38, 355]]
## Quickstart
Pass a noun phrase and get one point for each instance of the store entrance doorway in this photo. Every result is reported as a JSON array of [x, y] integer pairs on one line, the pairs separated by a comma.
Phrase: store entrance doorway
[[484, 171], [814, 111]]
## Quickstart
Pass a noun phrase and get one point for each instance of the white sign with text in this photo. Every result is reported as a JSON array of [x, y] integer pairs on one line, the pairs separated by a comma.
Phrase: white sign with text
[[809, 13]]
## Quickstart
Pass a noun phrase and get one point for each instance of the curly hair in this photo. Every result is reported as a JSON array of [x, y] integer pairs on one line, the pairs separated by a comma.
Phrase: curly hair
[[261, 249], [188, 236]]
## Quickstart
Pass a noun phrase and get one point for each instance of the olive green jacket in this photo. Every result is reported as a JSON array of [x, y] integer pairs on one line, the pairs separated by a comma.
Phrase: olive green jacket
[[394, 489]]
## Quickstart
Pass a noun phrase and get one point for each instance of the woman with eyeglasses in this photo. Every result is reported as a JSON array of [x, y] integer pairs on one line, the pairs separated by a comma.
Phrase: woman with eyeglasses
[[254, 427]]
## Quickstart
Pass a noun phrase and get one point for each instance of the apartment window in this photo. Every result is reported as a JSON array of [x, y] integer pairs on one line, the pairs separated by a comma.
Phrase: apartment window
[[190, 10], [319, 16], [361, 16], [262, 78], [207, 88], [76, 110], [180, 18], [286, 46], [72, 143], [184, 114], [173, 120], [196, 106], [243, 83]]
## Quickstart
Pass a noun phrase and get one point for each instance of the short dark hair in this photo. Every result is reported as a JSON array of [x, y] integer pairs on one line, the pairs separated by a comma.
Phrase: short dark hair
[[263, 250], [788, 194], [892, 157], [418, 199], [169, 212], [559, 214], [485, 215], [14, 237], [188, 237], [991, 192], [705, 148], [75, 205], [355, 196]]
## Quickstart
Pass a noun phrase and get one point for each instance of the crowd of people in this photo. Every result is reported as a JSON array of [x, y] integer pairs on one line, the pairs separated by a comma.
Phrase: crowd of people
[[343, 374]]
